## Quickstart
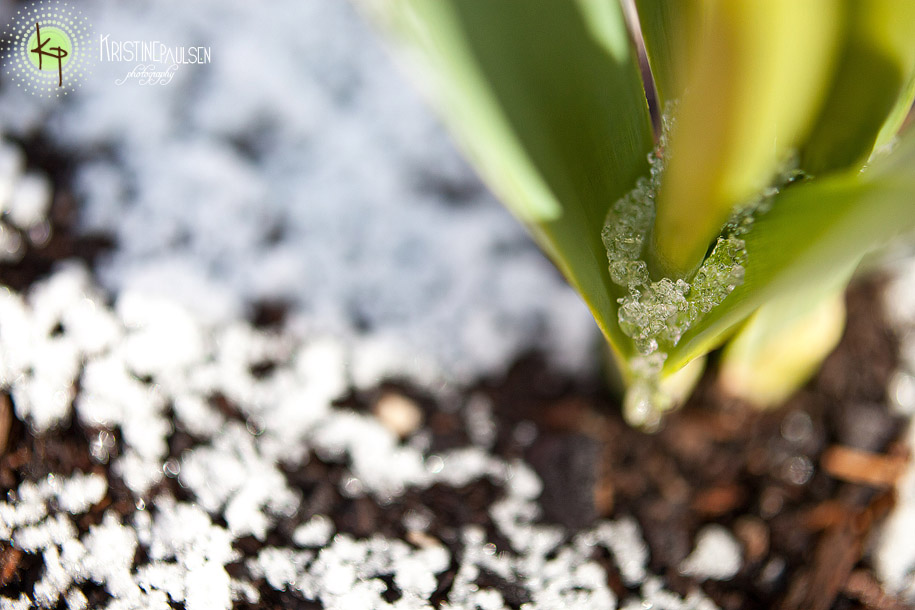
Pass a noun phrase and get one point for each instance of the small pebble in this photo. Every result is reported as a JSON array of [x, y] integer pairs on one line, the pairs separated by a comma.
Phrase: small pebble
[[716, 556], [399, 414], [754, 535]]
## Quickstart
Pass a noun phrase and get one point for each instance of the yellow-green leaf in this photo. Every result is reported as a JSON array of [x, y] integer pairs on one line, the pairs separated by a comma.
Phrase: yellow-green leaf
[[814, 234], [754, 82], [783, 344], [872, 82]]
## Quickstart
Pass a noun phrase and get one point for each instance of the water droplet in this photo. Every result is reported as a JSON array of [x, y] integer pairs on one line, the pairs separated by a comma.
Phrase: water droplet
[[796, 427], [435, 464], [101, 446], [40, 234], [171, 468], [254, 425], [525, 433], [352, 487], [798, 470]]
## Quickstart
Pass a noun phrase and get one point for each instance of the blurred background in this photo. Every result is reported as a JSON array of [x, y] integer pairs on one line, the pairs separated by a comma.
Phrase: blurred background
[[298, 178]]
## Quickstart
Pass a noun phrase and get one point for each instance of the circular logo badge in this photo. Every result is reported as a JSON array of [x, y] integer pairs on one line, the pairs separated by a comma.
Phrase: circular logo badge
[[47, 49]]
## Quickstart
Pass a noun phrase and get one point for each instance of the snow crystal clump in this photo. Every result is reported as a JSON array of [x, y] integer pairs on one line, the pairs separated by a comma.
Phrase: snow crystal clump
[[347, 573], [656, 314], [314, 533], [656, 597], [25, 198], [187, 553], [233, 475], [38, 364]]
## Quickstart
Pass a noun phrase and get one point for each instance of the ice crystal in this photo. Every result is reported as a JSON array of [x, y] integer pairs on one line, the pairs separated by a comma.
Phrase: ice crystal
[[235, 475], [23, 602], [623, 539], [315, 532], [656, 314]]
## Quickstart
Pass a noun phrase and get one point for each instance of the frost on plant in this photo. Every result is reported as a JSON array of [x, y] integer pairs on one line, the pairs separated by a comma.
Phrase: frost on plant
[[656, 314]]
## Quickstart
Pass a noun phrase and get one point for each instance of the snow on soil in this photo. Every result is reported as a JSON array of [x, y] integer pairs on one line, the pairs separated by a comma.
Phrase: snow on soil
[[312, 177], [134, 395], [305, 171]]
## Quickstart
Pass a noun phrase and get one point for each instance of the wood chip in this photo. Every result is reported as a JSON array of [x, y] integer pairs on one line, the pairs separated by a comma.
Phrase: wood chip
[[863, 467], [838, 550], [862, 586], [716, 501], [604, 495], [9, 563], [826, 514], [6, 421]]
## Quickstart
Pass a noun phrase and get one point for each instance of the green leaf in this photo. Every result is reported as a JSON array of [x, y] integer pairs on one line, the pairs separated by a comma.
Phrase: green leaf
[[546, 98], [872, 82], [898, 114], [667, 28], [755, 79], [813, 234]]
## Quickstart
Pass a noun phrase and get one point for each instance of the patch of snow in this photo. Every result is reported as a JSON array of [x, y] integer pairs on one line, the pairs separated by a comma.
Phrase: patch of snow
[[23, 602], [39, 365], [280, 567], [24, 201], [78, 493], [717, 555], [314, 532], [894, 551], [623, 538], [77, 600], [894, 557], [656, 597], [30, 201], [234, 476]]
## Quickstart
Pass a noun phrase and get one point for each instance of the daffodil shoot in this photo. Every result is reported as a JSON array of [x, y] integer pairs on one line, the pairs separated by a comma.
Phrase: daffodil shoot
[[778, 159]]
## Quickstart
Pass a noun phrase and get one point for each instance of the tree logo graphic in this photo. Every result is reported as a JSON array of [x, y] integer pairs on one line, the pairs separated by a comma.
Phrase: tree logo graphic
[[47, 49]]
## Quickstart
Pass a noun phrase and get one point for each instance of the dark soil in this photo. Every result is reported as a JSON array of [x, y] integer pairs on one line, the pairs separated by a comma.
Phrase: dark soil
[[781, 480], [761, 474]]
